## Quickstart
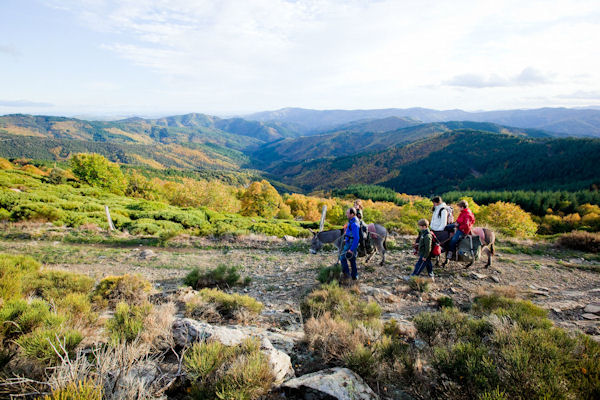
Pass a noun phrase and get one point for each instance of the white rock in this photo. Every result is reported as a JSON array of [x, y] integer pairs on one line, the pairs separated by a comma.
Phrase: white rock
[[475, 275], [592, 308], [590, 316], [339, 383], [187, 331]]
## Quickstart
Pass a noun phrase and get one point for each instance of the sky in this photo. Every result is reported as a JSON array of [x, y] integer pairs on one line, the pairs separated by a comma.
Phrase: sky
[[228, 57]]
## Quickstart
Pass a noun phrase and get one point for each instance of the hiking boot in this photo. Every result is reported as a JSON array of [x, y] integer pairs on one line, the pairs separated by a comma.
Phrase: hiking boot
[[432, 278]]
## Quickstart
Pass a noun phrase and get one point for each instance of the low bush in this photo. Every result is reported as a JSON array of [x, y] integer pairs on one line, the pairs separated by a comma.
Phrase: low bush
[[330, 274], [419, 284], [82, 390], [221, 276], [580, 240], [14, 272], [56, 285], [128, 322], [361, 360], [339, 302], [228, 372], [45, 345], [214, 305], [132, 289], [331, 338], [18, 317], [525, 313], [77, 308], [445, 301]]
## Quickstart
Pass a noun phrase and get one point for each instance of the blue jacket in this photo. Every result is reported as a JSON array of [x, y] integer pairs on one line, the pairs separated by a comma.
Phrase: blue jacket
[[351, 234]]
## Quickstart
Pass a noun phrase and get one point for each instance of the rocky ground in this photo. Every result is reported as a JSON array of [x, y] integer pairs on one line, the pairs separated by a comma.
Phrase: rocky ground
[[566, 283]]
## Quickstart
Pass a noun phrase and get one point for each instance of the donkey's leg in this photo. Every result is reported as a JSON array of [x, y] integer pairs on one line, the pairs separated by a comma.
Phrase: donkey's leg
[[381, 250]]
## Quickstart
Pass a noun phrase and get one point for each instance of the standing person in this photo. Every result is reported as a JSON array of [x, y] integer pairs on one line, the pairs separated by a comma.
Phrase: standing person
[[350, 245], [425, 244], [464, 223]]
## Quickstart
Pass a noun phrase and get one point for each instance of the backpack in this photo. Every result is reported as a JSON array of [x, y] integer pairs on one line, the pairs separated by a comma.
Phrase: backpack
[[436, 247], [469, 249], [450, 217]]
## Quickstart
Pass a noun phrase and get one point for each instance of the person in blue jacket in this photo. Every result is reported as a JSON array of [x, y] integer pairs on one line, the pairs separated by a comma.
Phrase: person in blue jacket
[[351, 238]]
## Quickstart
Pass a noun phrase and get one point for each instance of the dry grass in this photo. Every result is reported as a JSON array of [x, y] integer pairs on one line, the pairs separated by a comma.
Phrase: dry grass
[[332, 338], [579, 240], [157, 327]]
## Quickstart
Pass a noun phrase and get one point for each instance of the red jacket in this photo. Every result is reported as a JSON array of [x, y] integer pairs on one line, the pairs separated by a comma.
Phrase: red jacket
[[465, 221]]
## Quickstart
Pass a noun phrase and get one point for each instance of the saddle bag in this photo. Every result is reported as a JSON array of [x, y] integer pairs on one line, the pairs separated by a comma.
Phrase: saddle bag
[[469, 249]]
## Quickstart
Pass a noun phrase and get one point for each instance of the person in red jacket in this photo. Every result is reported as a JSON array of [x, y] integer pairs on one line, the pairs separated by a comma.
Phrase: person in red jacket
[[464, 223]]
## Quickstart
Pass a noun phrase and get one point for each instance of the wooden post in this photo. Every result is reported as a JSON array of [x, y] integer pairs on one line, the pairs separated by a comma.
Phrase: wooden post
[[323, 213], [111, 226]]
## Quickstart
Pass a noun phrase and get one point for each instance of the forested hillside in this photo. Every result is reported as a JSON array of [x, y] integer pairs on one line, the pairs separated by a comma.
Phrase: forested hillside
[[355, 140], [463, 159]]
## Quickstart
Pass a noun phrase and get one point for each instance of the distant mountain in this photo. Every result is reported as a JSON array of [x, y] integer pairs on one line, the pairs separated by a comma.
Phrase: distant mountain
[[457, 160], [355, 140], [566, 121], [377, 125]]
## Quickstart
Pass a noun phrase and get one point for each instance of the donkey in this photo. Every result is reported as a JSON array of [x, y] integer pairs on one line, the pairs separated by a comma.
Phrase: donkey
[[336, 236], [487, 237]]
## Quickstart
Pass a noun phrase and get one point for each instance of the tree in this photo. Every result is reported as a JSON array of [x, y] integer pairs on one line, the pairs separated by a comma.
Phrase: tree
[[261, 199], [95, 170]]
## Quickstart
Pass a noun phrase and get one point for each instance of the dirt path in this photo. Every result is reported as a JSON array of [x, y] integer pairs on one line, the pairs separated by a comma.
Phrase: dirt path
[[281, 278]]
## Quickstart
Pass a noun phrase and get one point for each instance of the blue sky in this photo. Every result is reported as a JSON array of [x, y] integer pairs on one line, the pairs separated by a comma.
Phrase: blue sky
[[158, 57]]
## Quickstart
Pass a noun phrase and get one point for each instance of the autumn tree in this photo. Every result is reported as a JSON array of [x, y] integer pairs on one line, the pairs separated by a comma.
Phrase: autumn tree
[[261, 199]]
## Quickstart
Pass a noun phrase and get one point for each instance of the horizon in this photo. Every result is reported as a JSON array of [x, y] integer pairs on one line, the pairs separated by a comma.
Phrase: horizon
[[107, 57], [158, 115]]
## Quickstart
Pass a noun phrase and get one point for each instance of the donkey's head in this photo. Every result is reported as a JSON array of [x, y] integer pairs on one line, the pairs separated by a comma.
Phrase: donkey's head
[[315, 243]]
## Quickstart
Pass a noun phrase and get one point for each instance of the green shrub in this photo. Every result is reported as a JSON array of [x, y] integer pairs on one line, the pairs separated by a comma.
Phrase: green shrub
[[77, 307], [56, 285], [14, 271], [228, 372], [127, 322], [228, 306], [330, 274], [361, 360], [338, 301], [495, 394], [41, 344], [39, 212], [82, 390], [18, 317], [525, 313], [580, 240], [418, 284], [221, 276], [445, 301], [132, 289]]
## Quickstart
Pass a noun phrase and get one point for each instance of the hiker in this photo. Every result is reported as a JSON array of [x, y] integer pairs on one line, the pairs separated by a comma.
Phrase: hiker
[[351, 237], [464, 223], [358, 206], [425, 245], [441, 216], [364, 245]]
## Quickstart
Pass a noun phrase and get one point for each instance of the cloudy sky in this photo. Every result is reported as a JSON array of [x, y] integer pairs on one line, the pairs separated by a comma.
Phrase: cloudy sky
[[154, 57]]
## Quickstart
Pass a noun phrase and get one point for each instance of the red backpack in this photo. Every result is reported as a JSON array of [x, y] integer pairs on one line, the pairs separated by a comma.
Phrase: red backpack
[[436, 248]]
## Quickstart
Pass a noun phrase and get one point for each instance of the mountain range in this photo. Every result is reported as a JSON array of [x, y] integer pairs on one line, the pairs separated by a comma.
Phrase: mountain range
[[410, 150]]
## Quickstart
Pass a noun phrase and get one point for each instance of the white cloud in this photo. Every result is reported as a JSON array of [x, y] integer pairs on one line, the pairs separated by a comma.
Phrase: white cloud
[[238, 54], [9, 50]]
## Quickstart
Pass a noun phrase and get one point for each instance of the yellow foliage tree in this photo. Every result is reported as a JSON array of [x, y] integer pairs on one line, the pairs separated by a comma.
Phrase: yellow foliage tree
[[261, 200], [508, 218]]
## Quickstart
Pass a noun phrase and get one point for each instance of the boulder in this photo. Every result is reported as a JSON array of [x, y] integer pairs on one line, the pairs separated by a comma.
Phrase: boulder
[[475, 275], [592, 309], [147, 253], [334, 383], [187, 331]]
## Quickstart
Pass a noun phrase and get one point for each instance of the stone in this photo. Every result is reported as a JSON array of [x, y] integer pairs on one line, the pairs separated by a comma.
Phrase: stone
[[565, 305], [337, 383], [495, 279], [187, 331], [289, 238], [592, 308], [590, 317], [146, 254], [475, 275], [539, 292]]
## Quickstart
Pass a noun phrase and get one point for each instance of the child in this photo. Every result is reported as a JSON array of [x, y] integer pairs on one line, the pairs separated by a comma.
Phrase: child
[[425, 243], [464, 222]]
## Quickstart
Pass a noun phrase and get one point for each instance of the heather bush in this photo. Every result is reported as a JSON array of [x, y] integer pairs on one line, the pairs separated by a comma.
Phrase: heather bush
[[132, 289], [221, 276], [579, 240]]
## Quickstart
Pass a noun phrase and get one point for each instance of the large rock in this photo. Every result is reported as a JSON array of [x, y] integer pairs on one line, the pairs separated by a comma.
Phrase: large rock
[[592, 308], [333, 383], [187, 331]]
